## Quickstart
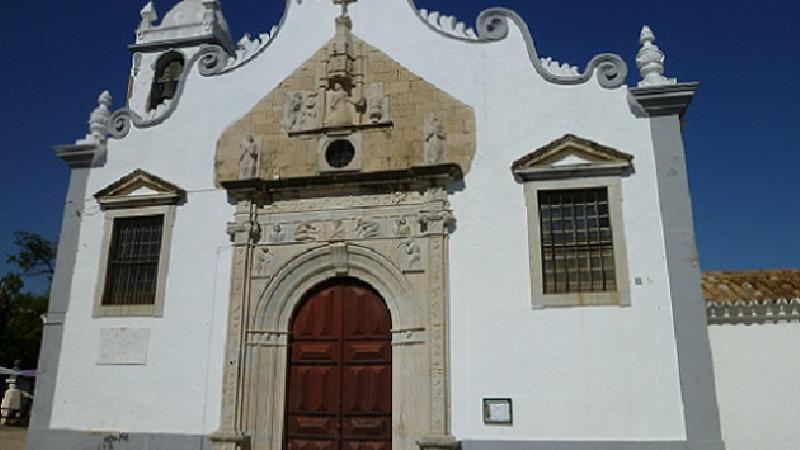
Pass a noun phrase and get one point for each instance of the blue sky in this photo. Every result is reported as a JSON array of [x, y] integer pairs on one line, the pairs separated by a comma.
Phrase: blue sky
[[742, 138]]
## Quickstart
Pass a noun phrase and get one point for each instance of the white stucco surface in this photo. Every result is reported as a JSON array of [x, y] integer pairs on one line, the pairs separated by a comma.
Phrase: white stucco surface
[[604, 373], [757, 368]]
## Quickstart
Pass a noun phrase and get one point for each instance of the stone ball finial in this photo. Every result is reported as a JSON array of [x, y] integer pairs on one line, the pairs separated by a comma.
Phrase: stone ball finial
[[650, 61]]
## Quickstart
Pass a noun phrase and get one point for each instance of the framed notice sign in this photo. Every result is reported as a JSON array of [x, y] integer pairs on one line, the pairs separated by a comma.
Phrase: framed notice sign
[[498, 411]]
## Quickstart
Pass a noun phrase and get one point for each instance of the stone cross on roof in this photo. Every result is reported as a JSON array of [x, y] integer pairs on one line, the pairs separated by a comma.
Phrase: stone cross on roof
[[345, 4]]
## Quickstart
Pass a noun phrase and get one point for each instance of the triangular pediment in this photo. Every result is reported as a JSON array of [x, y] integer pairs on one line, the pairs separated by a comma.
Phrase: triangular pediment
[[572, 155], [139, 188]]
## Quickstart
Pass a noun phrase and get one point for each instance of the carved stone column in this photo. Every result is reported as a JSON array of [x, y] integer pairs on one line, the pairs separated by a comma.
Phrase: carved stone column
[[244, 233], [436, 223]]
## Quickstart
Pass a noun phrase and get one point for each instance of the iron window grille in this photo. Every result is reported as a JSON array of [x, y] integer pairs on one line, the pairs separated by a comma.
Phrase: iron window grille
[[577, 241], [132, 274]]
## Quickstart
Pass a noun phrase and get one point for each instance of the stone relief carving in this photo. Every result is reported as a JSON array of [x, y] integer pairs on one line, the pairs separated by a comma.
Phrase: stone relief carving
[[338, 230], [368, 228], [402, 227], [413, 256], [355, 201], [306, 232], [278, 234], [264, 263], [435, 140], [300, 111], [249, 158], [267, 338]]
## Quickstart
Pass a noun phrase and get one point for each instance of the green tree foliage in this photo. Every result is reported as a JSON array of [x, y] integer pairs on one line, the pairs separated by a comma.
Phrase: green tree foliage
[[36, 256], [21, 312]]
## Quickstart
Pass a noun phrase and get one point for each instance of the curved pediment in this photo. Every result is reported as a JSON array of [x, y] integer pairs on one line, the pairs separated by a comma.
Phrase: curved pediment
[[348, 91]]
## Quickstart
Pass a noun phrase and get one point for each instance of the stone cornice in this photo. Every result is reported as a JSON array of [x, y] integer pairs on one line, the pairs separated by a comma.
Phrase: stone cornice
[[753, 312], [664, 100], [414, 178], [80, 156]]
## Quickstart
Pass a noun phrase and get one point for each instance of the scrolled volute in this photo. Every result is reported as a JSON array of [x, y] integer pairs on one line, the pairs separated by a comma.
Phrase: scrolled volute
[[212, 60], [493, 25], [120, 123]]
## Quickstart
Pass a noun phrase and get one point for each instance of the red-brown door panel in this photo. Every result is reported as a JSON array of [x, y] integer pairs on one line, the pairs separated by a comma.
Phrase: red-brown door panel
[[301, 444], [367, 445], [314, 427], [369, 351], [367, 428], [305, 352], [314, 389], [367, 389]]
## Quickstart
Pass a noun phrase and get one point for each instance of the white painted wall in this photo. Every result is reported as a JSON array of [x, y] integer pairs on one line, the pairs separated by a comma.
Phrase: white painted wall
[[583, 373], [757, 370]]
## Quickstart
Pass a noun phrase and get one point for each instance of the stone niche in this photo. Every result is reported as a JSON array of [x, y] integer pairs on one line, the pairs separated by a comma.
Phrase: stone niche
[[397, 119]]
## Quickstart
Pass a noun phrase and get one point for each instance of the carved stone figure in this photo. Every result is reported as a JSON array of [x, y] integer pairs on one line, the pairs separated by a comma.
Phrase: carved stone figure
[[264, 261], [413, 252], [249, 159], [435, 140], [377, 103], [338, 231], [300, 111], [306, 232], [341, 107], [367, 229]]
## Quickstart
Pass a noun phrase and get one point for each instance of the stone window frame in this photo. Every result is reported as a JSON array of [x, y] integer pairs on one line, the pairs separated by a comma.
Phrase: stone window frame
[[620, 297], [120, 200], [357, 163], [155, 310], [554, 167]]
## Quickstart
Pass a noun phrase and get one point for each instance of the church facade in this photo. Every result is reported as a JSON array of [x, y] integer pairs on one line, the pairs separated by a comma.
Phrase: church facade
[[377, 228]]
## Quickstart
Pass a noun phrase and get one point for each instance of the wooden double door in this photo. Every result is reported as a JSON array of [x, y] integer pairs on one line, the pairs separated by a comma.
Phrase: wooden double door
[[340, 371]]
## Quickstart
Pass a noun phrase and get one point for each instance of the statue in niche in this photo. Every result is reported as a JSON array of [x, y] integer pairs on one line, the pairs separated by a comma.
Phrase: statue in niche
[[435, 140], [413, 253], [368, 229], [341, 107], [249, 159], [264, 261], [306, 232]]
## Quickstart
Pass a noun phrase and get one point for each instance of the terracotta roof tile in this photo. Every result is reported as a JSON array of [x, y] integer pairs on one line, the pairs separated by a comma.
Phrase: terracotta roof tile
[[754, 285]]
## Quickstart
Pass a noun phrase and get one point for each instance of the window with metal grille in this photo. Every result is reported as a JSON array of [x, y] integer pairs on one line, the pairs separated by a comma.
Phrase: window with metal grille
[[132, 273], [577, 242]]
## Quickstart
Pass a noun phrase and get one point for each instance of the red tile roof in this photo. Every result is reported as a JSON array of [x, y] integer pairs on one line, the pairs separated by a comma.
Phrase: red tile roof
[[756, 285]]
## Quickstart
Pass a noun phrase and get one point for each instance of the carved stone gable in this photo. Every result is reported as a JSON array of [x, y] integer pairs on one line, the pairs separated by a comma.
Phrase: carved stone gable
[[139, 188], [350, 91], [571, 156]]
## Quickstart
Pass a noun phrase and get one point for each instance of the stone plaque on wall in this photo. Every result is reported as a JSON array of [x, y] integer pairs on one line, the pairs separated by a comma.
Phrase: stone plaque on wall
[[123, 346]]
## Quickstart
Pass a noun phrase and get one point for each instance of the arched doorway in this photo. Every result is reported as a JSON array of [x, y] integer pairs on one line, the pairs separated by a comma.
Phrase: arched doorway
[[339, 391]]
